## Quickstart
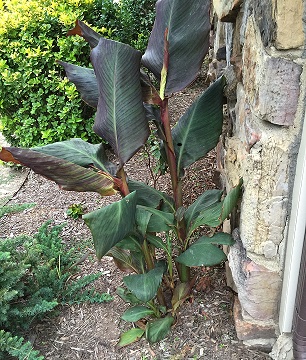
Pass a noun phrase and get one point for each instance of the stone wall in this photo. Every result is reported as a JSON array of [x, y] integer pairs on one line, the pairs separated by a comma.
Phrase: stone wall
[[263, 45]]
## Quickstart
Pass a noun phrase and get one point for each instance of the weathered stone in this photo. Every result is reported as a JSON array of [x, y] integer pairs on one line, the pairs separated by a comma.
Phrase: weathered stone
[[252, 281], [256, 151], [269, 249], [271, 84], [263, 12], [290, 33], [247, 330], [282, 349], [227, 10]]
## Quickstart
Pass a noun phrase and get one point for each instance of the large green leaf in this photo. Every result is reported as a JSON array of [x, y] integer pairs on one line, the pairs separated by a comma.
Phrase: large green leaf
[[204, 253], [130, 336], [231, 200], [156, 220], [123, 260], [81, 153], [136, 313], [204, 201], [198, 130], [85, 81], [216, 213], [120, 117], [148, 196], [111, 224], [188, 24], [145, 286], [66, 174], [157, 330]]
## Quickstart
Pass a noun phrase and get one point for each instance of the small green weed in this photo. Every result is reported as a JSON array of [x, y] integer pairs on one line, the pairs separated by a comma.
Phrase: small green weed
[[75, 211]]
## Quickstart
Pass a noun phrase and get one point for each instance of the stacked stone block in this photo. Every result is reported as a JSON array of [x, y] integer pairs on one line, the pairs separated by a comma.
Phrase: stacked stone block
[[267, 56]]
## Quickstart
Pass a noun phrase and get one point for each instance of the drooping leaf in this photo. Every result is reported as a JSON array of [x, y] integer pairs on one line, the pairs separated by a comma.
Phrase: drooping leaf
[[112, 223], [150, 197], [204, 253], [157, 330], [81, 153], [155, 220], [230, 201], [205, 200], [217, 212], [66, 174], [136, 313], [157, 242], [120, 117], [123, 260], [130, 337], [188, 24], [145, 286], [198, 130], [131, 242], [85, 81], [127, 296], [180, 294], [210, 216], [83, 30], [142, 220]]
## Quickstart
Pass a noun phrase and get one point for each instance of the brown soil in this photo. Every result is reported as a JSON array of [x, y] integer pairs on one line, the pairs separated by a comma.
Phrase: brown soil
[[205, 326]]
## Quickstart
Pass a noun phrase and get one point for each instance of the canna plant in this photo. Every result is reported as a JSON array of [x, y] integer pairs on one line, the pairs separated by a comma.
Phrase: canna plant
[[150, 234]]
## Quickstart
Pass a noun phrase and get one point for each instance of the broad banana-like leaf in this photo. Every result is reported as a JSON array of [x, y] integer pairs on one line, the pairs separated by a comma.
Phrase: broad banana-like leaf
[[204, 253], [112, 223], [180, 294], [157, 330], [123, 260], [83, 30], [145, 286], [127, 296], [85, 81], [66, 174], [157, 242], [81, 153], [136, 313], [131, 242], [155, 220], [198, 130], [231, 200], [204, 201], [217, 212], [188, 24], [150, 197], [130, 336], [120, 118]]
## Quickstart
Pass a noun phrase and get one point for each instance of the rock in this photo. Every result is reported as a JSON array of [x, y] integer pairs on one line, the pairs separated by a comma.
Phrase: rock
[[248, 331], [272, 85], [290, 33], [252, 281], [282, 349], [227, 10]]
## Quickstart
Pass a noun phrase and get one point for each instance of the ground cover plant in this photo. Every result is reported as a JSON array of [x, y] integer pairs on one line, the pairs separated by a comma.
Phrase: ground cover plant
[[35, 277], [149, 234]]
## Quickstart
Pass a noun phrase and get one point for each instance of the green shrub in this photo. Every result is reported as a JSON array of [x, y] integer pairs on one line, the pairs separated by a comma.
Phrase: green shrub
[[131, 21], [37, 103], [34, 280]]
